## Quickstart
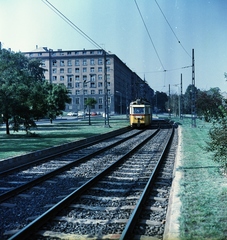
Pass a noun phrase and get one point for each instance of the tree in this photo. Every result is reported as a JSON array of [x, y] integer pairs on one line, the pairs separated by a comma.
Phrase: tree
[[57, 97], [187, 102], [18, 76], [208, 103], [217, 144], [159, 101], [25, 95], [90, 102]]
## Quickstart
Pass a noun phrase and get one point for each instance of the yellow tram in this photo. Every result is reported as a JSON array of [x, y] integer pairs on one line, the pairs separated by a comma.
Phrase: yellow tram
[[140, 113]]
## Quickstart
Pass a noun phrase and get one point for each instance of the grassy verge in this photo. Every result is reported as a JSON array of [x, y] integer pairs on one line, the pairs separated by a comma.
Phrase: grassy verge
[[47, 135], [203, 190]]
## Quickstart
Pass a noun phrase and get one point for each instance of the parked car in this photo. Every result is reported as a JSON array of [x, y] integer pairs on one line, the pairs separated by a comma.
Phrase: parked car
[[72, 114], [80, 114]]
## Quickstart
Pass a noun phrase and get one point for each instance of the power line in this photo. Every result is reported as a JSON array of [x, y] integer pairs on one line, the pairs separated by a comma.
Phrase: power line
[[168, 70], [172, 29], [68, 21], [149, 35]]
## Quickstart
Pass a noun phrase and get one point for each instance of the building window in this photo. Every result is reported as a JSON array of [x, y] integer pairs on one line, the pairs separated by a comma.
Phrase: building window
[[77, 62], [85, 84], [84, 52], [77, 100], [108, 61], [100, 91], [92, 92], [99, 69], [77, 78], [69, 62], [100, 107], [84, 69], [91, 52], [77, 70], [99, 77], [100, 100], [70, 85], [61, 70], [54, 78], [84, 78], [84, 62], [108, 84], [69, 53], [108, 69], [100, 61], [54, 63], [69, 70], [108, 91], [77, 85], [100, 84], [54, 70], [100, 52], [70, 78], [77, 92], [93, 85], [92, 78], [62, 78], [108, 76], [92, 69], [85, 92], [92, 62], [62, 63], [43, 63]]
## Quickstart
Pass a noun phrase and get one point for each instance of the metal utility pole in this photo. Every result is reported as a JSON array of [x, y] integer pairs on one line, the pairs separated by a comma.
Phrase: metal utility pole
[[193, 99], [106, 93], [169, 103], [181, 98]]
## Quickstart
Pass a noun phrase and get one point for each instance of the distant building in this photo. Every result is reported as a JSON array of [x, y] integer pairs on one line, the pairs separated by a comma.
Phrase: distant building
[[83, 72]]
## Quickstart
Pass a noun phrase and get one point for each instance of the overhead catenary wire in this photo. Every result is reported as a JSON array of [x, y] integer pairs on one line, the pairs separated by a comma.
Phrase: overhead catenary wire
[[149, 36], [172, 29], [69, 22]]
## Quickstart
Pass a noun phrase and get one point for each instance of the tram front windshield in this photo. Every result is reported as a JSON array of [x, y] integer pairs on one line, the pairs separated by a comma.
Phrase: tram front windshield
[[138, 110]]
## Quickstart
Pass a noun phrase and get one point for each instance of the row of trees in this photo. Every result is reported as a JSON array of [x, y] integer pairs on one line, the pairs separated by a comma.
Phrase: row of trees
[[207, 102], [24, 94]]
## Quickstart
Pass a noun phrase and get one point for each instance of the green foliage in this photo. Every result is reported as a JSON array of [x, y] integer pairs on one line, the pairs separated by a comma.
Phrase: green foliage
[[218, 139], [57, 97], [25, 96], [208, 103], [90, 102]]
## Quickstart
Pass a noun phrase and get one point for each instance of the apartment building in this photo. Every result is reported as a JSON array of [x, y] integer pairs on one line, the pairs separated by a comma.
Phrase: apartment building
[[93, 74]]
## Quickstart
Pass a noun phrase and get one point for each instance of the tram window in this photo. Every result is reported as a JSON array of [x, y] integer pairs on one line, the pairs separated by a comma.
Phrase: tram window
[[138, 110]]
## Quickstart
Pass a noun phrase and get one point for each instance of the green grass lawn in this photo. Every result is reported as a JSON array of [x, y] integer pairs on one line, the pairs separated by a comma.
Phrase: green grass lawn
[[203, 188], [47, 135]]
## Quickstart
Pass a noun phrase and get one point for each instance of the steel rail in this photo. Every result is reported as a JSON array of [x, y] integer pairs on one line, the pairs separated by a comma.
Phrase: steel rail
[[64, 151], [36, 181], [38, 222], [127, 233]]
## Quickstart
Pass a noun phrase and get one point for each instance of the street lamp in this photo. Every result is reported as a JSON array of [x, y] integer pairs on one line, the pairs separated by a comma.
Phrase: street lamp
[[120, 101], [85, 81]]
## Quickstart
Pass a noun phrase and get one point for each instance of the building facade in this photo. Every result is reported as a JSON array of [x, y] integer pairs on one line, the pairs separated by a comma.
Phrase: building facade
[[93, 74]]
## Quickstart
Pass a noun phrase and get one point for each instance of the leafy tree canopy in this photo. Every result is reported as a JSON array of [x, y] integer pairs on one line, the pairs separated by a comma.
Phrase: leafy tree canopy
[[89, 103], [24, 93]]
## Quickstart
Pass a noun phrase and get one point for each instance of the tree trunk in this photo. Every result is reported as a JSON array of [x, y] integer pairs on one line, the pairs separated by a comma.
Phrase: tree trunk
[[7, 126], [89, 115]]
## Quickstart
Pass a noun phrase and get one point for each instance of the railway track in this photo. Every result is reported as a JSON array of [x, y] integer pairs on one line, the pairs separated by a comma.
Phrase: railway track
[[18, 179], [103, 200]]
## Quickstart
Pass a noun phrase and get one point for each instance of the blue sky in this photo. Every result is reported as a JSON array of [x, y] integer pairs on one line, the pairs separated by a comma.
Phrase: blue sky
[[116, 25]]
